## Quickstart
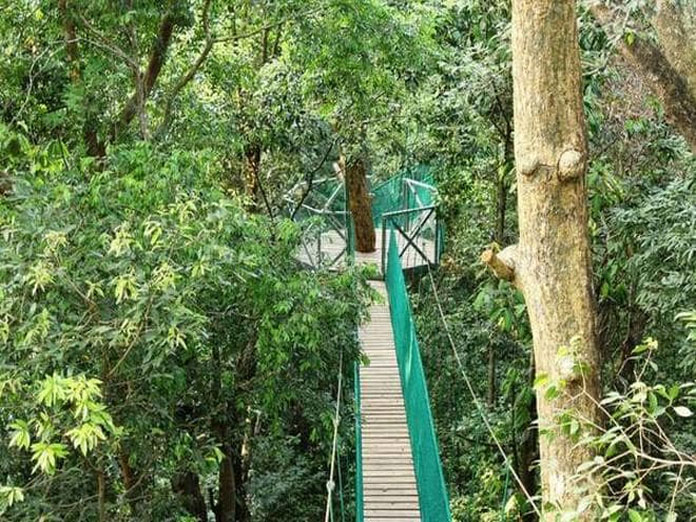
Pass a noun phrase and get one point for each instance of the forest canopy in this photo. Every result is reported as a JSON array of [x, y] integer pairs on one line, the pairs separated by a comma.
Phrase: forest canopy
[[166, 353]]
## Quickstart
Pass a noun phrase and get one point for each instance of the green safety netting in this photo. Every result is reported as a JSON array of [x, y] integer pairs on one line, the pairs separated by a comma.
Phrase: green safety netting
[[432, 493], [396, 194], [328, 237], [388, 196]]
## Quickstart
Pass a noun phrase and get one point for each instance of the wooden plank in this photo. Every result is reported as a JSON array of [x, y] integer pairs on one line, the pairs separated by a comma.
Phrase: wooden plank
[[389, 483]]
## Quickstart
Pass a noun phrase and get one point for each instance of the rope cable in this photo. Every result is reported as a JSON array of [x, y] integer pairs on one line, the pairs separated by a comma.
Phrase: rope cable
[[330, 485], [340, 488], [475, 398]]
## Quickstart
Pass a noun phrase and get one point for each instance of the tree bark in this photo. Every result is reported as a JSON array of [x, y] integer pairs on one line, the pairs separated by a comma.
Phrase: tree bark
[[225, 510], [155, 63], [101, 494], [250, 171], [669, 69], [360, 204], [187, 486], [676, 31], [492, 389], [551, 263]]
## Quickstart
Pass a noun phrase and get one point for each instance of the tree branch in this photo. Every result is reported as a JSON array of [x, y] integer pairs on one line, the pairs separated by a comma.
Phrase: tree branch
[[503, 263], [191, 72], [665, 80], [155, 63], [310, 178], [234, 37]]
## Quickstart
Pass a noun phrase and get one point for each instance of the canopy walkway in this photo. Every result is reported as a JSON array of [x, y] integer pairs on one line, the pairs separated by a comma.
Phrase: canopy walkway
[[398, 469]]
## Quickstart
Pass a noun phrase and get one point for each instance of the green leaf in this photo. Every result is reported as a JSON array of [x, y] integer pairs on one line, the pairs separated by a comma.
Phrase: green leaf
[[46, 455], [11, 495], [541, 380], [52, 390], [21, 438], [683, 411], [634, 516], [552, 392]]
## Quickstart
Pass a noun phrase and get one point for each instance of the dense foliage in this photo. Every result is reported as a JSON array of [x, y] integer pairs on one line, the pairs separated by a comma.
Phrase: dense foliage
[[163, 356]]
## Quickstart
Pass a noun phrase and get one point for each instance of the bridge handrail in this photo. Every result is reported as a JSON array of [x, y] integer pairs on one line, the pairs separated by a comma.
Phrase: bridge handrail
[[432, 492]]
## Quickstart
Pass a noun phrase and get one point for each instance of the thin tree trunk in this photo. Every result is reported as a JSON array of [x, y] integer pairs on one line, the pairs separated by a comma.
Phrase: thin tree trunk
[[187, 486], [251, 166], [225, 510], [551, 263], [502, 187], [241, 478], [157, 58], [492, 391], [131, 482], [360, 204], [101, 494], [529, 446]]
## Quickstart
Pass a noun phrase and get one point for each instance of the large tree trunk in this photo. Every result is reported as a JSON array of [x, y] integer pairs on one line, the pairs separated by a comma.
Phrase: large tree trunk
[[360, 205], [669, 69], [551, 263]]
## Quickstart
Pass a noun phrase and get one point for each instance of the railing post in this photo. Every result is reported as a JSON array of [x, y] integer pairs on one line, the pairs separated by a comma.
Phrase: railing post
[[350, 235], [384, 244], [319, 247]]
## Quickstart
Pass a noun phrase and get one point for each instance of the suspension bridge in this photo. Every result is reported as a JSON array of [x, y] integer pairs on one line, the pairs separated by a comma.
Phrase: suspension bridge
[[398, 473]]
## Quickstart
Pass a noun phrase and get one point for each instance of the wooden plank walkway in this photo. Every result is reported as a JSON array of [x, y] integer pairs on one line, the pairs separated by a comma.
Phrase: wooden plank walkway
[[389, 482]]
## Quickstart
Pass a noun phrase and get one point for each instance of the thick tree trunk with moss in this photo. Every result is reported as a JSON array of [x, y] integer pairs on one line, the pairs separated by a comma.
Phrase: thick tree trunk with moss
[[360, 205], [551, 263]]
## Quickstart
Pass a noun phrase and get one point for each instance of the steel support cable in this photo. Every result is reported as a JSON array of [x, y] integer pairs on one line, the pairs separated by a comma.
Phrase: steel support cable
[[330, 484], [475, 398]]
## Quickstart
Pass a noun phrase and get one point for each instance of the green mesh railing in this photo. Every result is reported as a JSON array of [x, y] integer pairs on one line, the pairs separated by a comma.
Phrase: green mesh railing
[[432, 493], [410, 188], [328, 238]]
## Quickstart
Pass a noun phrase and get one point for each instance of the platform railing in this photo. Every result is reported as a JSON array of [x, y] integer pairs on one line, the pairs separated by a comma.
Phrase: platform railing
[[432, 491], [328, 239], [418, 236]]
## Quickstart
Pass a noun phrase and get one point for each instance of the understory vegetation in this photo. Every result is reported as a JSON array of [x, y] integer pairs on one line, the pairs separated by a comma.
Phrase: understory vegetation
[[165, 357]]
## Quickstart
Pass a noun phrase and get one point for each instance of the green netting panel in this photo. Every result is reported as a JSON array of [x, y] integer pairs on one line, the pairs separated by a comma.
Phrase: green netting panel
[[434, 502], [394, 194], [328, 237], [359, 510]]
